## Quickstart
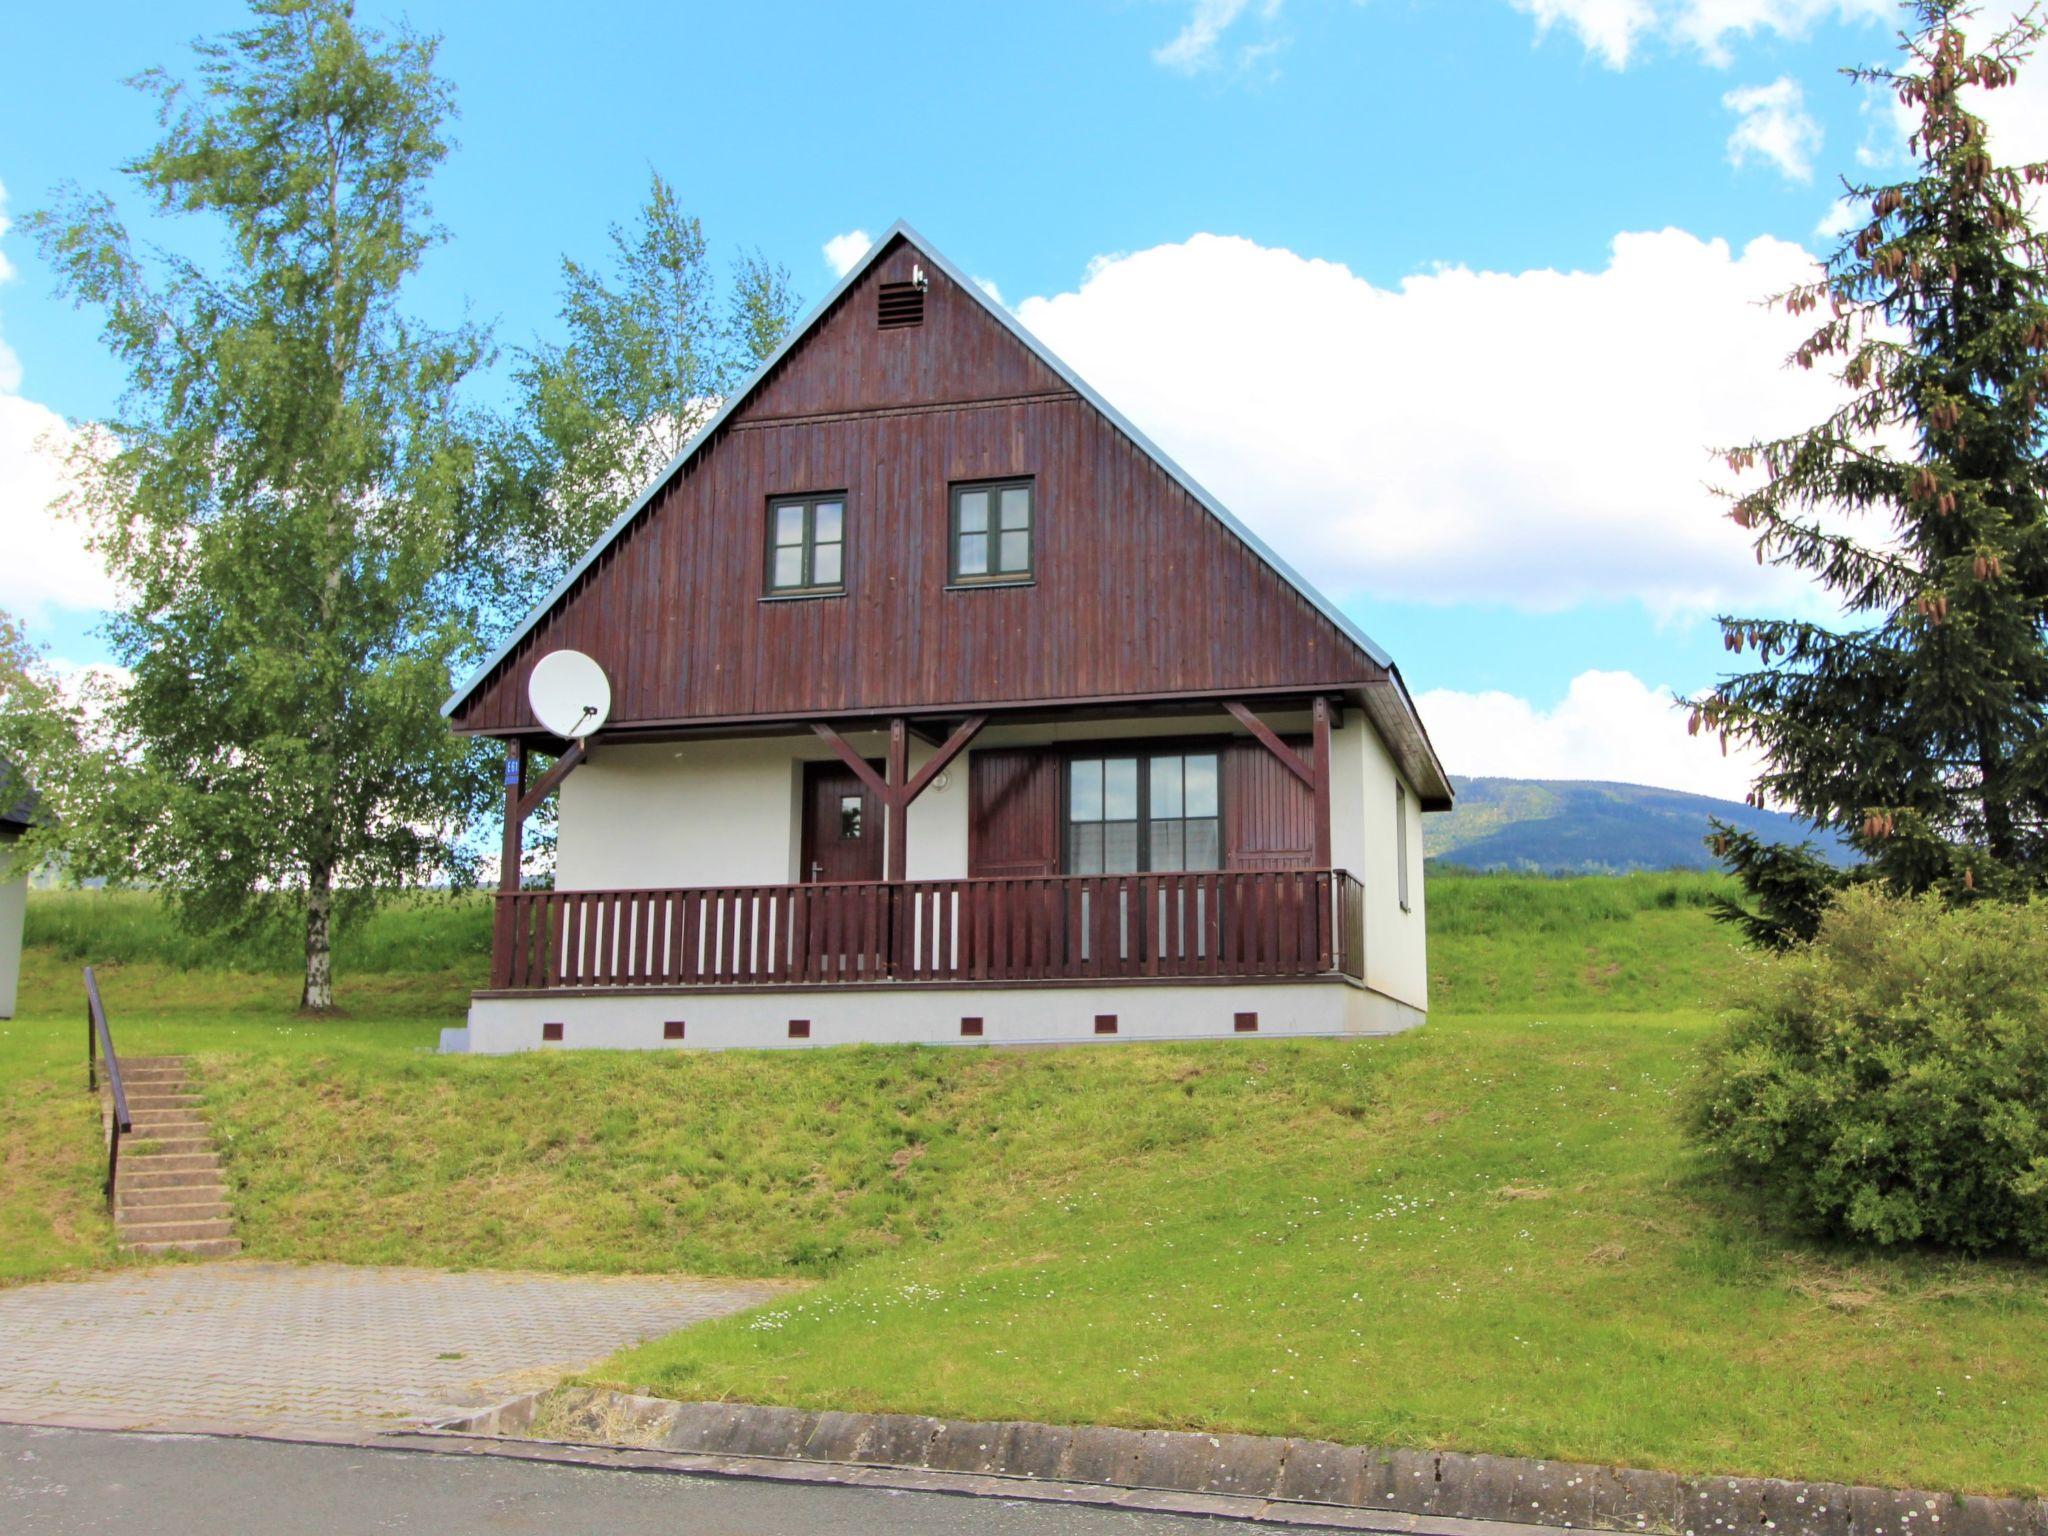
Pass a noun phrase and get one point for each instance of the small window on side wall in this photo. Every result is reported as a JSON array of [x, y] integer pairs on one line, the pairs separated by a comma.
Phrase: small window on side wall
[[806, 545], [994, 528], [1401, 843]]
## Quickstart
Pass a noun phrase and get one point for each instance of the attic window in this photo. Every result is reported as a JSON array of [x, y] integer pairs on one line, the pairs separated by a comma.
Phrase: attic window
[[898, 305]]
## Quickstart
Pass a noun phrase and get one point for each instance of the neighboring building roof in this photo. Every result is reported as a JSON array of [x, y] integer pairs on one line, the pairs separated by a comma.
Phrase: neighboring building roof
[[17, 801], [1392, 708]]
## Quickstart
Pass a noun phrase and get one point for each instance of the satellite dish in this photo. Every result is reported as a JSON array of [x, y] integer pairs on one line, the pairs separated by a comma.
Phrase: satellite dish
[[569, 694]]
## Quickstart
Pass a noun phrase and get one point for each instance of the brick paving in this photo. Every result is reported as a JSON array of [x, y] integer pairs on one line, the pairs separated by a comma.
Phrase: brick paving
[[318, 1348]]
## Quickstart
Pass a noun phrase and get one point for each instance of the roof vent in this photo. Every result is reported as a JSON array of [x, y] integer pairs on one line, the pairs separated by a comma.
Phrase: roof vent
[[899, 304]]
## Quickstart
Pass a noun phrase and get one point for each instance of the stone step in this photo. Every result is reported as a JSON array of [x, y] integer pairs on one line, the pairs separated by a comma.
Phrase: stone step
[[146, 1062], [144, 1144], [146, 1180], [166, 1125], [127, 1216], [176, 1231], [171, 1162], [204, 1248], [152, 1100], [201, 1187]]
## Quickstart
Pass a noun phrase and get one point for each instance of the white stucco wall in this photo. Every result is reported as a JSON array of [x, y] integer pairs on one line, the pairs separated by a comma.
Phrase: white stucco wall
[[1363, 840], [730, 813]]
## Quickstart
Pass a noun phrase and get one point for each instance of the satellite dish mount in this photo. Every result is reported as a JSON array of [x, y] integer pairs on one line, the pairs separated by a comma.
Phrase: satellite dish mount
[[570, 695]]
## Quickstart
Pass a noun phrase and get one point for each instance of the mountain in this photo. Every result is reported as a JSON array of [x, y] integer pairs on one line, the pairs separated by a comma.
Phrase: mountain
[[1576, 826]]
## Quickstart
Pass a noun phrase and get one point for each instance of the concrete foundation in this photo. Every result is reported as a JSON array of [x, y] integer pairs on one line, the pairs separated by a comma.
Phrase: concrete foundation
[[1038, 1013]]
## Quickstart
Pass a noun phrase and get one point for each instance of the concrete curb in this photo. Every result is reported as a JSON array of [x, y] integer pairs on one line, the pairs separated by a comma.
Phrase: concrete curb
[[1248, 1476]]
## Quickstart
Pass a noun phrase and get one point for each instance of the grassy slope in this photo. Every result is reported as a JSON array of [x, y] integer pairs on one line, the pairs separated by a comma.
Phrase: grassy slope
[[1485, 1234]]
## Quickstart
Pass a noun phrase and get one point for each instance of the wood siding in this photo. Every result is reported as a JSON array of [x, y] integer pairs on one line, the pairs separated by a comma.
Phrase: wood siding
[[1139, 590], [1269, 815], [1013, 812]]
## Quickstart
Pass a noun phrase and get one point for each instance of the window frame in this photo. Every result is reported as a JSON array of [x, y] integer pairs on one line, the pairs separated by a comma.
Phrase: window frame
[[1144, 748], [992, 578], [810, 501]]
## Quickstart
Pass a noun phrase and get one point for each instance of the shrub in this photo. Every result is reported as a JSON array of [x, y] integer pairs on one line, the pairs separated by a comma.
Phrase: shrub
[[1889, 1082]]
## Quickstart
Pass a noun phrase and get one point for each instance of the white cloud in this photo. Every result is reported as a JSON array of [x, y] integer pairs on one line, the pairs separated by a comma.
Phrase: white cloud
[[1534, 438], [1608, 28], [988, 286], [1843, 215], [47, 564], [1614, 29], [1199, 45], [1609, 725], [1773, 124], [842, 251]]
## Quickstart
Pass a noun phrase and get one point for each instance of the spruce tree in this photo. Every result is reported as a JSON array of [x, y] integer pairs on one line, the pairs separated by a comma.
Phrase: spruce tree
[[1918, 725]]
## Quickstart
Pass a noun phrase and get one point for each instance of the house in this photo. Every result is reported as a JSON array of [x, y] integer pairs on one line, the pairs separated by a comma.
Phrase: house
[[945, 707]]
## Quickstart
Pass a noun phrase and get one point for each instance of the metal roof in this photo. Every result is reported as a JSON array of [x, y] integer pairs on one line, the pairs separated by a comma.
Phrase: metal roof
[[1346, 626]]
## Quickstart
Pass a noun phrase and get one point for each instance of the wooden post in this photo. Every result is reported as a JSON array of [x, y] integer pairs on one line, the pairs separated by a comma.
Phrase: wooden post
[[1319, 767], [898, 803], [508, 863], [515, 823]]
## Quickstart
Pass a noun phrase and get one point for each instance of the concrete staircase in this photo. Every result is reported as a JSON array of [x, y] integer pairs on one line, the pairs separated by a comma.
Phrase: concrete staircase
[[168, 1193]]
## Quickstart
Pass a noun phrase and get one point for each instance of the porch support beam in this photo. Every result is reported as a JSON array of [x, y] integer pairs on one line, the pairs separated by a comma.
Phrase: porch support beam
[[1319, 757], [566, 764], [898, 801], [1289, 758], [949, 749], [852, 759], [515, 823]]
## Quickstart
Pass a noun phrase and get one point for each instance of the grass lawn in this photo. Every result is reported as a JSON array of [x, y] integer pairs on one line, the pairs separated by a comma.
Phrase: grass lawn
[[1484, 1235]]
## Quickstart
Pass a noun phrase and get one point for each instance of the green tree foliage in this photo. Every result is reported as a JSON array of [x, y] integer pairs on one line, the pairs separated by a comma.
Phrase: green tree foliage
[[41, 733], [287, 487], [1789, 887], [1885, 1082], [653, 343], [1921, 730]]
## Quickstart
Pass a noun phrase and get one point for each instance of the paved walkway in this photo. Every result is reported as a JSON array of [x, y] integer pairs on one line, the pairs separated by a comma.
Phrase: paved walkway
[[318, 1348]]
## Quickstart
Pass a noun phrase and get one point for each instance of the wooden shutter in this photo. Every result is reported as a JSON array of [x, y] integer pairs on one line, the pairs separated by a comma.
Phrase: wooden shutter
[[1013, 812], [1269, 815]]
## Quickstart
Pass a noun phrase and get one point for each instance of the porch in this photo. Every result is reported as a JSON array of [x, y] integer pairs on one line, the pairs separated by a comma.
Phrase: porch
[[1245, 925]]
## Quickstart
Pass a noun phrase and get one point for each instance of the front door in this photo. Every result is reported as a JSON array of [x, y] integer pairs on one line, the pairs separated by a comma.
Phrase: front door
[[842, 837]]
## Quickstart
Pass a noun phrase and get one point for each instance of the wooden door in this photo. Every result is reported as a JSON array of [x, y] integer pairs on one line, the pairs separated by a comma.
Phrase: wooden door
[[842, 834]]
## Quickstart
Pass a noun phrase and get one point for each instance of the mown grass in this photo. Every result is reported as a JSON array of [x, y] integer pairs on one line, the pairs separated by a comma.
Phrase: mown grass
[[1486, 1234]]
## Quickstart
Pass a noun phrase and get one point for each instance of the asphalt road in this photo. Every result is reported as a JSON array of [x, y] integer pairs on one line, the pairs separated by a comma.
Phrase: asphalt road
[[68, 1480]]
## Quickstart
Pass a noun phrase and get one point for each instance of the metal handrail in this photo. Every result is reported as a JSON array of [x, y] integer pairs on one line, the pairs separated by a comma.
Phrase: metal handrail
[[97, 1036]]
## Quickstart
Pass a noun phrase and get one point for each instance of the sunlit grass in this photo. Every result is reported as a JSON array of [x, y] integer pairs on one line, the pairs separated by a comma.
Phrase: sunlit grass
[[1486, 1234]]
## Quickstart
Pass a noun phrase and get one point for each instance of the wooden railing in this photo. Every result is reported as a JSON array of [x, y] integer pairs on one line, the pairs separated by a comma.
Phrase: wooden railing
[[1023, 928], [99, 1039]]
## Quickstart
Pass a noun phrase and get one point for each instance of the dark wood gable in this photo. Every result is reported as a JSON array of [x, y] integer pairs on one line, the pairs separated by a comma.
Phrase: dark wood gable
[[1139, 590]]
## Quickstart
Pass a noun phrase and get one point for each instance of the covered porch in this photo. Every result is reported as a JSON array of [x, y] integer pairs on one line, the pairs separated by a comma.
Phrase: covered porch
[[1211, 856]]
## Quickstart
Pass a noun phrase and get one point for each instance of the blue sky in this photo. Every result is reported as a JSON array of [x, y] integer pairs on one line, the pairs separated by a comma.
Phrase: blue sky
[[1354, 157]]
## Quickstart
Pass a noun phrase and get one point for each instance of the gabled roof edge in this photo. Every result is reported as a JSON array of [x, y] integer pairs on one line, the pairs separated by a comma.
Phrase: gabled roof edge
[[1344, 623], [683, 456]]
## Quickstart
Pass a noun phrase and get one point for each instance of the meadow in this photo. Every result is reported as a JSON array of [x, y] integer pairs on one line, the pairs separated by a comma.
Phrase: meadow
[[1484, 1235]]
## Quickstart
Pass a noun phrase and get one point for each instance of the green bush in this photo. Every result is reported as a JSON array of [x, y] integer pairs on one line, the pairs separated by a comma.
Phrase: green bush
[[1889, 1082]]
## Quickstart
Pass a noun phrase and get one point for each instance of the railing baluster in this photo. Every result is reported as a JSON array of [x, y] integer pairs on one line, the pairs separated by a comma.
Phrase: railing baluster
[[1178, 923]]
